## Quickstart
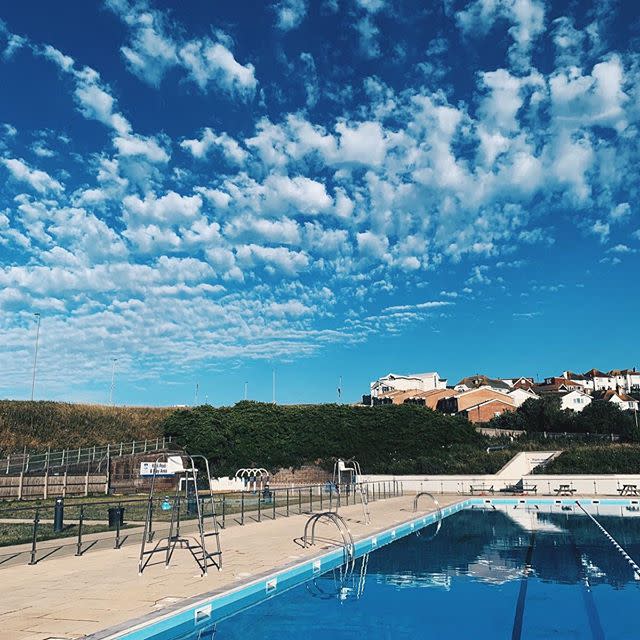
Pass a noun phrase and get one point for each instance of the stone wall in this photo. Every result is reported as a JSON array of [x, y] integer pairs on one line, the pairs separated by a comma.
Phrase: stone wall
[[306, 474]]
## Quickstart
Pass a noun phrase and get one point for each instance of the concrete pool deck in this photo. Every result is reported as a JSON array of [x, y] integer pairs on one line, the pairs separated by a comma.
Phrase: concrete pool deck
[[70, 597]]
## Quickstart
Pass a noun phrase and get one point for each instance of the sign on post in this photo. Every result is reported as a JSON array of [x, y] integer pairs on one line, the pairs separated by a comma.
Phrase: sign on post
[[166, 468]]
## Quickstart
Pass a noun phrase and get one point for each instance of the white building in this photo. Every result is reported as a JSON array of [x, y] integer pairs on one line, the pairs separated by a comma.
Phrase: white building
[[520, 396], [624, 402], [626, 379], [396, 382], [575, 400]]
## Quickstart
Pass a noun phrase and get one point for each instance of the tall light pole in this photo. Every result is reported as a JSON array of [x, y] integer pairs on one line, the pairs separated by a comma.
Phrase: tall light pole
[[113, 379], [35, 357], [339, 389], [273, 387]]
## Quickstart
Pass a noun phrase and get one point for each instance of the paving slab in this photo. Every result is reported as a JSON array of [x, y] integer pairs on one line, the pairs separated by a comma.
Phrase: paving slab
[[72, 597]]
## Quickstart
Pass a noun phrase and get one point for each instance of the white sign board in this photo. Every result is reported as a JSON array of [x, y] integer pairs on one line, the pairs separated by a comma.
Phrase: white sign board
[[169, 467]]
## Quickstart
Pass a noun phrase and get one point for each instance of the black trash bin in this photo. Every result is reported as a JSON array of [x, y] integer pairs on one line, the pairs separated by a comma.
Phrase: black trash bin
[[58, 515], [116, 517]]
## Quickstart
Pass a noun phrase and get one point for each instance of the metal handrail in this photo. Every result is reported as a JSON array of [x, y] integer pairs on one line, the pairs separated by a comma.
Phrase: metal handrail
[[347, 538], [426, 493]]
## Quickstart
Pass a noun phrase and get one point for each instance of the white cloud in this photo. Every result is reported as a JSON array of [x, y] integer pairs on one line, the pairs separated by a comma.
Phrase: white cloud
[[169, 209], [372, 245], [200, 147], [303, 194], [274, 259], [207, 61], [601, 229], [363, 143], [145, 147], [153, 51], [38, 180], [290, 13], [585, 100], [526, 16]]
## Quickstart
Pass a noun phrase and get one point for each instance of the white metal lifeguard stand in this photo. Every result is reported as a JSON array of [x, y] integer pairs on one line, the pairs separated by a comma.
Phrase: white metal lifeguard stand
[[348, 473]]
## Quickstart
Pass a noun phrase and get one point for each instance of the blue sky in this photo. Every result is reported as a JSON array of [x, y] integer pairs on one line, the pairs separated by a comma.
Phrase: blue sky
[[210, 191]]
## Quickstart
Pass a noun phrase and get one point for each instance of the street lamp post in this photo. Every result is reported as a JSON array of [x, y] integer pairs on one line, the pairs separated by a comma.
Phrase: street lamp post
[[35, 357], [113, 379]]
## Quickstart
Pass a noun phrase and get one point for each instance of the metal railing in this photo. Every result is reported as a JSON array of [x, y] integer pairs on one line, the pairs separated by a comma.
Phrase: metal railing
[[26, 462], [85, 524]]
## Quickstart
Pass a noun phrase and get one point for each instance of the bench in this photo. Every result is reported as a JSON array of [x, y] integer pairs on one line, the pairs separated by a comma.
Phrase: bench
[[565, 490], [629, 490], [521, 488], [480, 488]]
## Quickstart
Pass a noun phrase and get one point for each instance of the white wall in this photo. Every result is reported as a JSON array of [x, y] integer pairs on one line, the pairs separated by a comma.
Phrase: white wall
[[546, 484]]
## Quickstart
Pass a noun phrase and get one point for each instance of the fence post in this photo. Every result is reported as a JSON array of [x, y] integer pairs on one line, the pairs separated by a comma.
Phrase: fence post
[[133, 447], [64, 484], [299, 500], [145, 445], [242, 508], [121, 448], [310, 499], [223, 505], [259, 507], [320, 491], [287, 502], [86, 482], [273, 499], [45, 486], [20, 486]]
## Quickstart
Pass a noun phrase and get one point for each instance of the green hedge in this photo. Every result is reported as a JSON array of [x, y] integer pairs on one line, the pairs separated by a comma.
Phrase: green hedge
[[384, 439], [38, 425]]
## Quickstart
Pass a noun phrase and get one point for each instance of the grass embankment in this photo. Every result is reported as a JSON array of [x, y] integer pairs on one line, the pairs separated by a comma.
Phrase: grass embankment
[[60, 425], [596, 459]]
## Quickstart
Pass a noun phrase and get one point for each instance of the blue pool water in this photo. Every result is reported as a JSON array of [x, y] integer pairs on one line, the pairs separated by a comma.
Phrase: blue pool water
[[513, 573]]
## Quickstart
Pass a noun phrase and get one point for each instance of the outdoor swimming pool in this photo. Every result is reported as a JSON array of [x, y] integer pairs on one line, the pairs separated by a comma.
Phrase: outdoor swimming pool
[[509, 570]]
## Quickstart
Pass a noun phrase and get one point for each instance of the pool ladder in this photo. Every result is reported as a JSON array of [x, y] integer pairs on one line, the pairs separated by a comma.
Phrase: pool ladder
[[347, 539]]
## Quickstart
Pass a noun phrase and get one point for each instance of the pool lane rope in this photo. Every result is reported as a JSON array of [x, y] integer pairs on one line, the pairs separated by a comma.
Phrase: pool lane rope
[[613, 541]]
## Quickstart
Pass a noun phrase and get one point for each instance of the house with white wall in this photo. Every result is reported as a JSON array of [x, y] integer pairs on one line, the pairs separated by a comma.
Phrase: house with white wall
[[622, 400], [626, 379], [415, 381], [575, 400], [520, 396]]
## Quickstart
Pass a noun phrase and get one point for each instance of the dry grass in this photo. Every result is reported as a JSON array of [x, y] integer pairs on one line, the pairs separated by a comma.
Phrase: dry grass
[[38, 425]]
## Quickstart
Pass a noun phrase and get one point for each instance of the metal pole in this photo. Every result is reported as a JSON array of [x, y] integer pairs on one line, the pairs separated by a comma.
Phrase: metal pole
[[299, 501], [117, 544], [79, 543], [310, 499], [287, 502], [259, 507], [242, 508], [224, 502], [34, 539], [113, 379], [273, 385], [35, 358]]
